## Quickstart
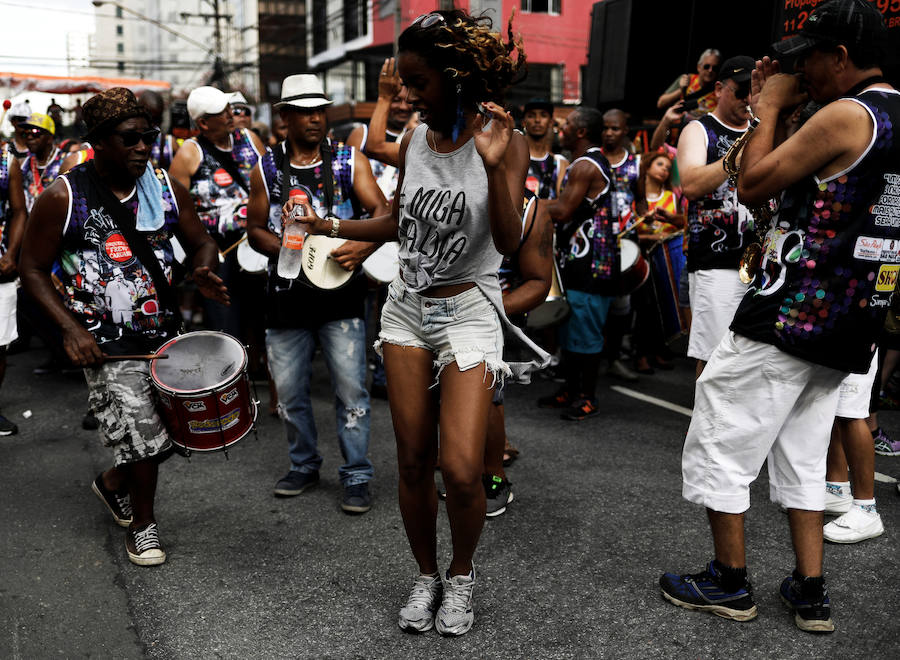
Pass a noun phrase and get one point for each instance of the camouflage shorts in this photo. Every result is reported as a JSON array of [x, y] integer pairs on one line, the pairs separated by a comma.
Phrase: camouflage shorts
[[120, 396]]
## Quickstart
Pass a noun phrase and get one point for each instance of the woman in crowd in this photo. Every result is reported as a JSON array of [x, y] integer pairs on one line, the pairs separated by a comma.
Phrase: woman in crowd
[[660, 206], [457, 211]]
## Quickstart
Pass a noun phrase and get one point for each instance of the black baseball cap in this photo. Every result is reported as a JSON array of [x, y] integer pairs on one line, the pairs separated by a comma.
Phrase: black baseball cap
[[737, 68], [854, 23], [538, 104]]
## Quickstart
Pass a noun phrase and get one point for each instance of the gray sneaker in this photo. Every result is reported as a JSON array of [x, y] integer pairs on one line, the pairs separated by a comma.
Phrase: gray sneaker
[[295, 482], [498, 494], [456, 615], [418, 613], [618, 370]]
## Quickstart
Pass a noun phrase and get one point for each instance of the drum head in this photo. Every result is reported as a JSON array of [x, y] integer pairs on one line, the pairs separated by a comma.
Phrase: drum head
[[384, 264], [320, 269], [629, 254], [198, 361], [250, 260]]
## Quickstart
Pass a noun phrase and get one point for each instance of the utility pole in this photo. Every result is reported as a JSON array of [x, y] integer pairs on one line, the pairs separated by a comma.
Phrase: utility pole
[[218, 77]]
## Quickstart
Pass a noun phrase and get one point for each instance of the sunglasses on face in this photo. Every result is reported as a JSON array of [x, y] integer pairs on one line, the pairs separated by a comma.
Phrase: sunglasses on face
[[710, 67], [131, 138], [35, 132], [429, 20], [741, 91], [241, 112]]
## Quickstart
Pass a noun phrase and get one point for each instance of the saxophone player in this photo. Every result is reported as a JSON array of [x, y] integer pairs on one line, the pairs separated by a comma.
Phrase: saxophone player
[[812, 312], [718, 223]]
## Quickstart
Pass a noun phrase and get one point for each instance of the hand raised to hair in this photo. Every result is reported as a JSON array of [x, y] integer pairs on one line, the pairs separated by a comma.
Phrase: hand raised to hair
[[492, 143], [389, 84]]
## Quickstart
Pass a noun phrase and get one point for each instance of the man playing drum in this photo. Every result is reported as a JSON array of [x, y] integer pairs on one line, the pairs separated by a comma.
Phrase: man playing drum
[[111, 220], [298, 313], [590, 261]]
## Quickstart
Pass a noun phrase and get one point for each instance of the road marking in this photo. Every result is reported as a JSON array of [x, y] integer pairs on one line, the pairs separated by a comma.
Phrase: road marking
[[687, 412], [883, 478]]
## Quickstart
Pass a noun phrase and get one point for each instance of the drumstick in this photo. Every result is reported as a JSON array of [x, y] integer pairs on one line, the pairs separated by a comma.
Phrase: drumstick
[[631, 227], [231, 247], [147, 356]]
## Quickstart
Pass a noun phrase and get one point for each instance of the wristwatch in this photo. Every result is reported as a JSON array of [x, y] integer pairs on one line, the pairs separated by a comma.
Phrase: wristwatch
[[335, 227]]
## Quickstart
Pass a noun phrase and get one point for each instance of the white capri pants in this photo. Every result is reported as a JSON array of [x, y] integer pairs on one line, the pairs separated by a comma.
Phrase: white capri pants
[[755, 402], [715, 295], [856, 393]]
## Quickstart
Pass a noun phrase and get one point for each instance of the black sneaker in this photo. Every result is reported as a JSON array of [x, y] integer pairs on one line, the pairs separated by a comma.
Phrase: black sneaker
[[811, 604], [119, 504], [356, 498], [703, 591], [143, 546], [581, 410], [498, 493], [7, 427], [295, 482], [562, 399]]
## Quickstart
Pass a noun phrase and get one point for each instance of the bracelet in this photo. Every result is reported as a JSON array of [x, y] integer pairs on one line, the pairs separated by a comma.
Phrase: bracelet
[[335, 227]]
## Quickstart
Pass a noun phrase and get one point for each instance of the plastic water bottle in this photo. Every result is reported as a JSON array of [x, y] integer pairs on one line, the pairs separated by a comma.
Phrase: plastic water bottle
[[290, 257]]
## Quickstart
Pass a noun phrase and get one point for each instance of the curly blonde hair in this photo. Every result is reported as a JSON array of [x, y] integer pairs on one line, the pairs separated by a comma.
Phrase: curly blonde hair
[[469, 54]]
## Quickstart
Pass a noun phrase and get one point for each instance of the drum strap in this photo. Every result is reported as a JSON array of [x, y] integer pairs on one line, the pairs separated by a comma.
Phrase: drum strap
[[224, 159], [136, 241]]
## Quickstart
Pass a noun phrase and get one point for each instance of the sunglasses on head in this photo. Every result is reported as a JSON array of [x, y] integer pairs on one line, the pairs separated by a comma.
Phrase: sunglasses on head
[[131, 138], [429, 20], [240, 112], [713, 67]]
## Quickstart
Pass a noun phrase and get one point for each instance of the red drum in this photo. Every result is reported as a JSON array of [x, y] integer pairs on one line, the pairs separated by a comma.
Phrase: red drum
[[203, 390], [634, 267]]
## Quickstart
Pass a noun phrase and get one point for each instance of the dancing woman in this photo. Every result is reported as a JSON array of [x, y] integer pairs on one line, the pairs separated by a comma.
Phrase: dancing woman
[[458, 211]]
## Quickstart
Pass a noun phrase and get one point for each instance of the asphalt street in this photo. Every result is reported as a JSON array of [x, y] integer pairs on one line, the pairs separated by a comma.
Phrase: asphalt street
[[570, 571]]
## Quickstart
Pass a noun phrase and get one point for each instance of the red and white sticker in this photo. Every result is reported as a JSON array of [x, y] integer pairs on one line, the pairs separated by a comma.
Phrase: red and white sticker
[[117, 248], [222, 178], [532, 184], [150, 308], [304, 198]]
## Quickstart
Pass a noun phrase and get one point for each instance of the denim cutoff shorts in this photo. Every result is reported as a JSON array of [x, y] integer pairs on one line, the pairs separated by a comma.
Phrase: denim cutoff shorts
[[464, 328]]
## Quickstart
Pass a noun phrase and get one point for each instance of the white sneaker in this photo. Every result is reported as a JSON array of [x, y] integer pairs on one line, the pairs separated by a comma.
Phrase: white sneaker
[[854, 526], [456, 615], [836, 505], [418, 613]]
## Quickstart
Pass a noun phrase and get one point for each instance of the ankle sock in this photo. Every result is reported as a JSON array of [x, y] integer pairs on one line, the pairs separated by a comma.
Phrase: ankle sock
[[731, 578], [811, 588], [866, 505], [839, 488]]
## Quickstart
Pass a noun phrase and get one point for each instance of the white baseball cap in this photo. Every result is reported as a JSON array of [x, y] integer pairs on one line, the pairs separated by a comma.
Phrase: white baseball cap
[[236, 98], [206, 101], [303, 90]]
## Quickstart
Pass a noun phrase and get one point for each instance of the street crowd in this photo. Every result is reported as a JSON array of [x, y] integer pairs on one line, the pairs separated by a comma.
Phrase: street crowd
[[452, 247]]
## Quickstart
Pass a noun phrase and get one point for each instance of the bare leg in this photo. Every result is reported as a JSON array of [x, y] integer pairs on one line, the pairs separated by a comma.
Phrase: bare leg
[[891, 359], [806, 535], [141, 478], [496, 442], [414, 413], [860, 453], [728, 537], [465, 404], [836, 466]]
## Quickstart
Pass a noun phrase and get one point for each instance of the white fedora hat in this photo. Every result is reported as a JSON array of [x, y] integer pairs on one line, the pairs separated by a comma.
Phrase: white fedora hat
[[303, 90]]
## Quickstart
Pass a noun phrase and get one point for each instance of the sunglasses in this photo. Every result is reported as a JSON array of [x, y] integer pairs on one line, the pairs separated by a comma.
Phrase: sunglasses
[[36, 132], [429, 20], [740, 91], [708, 67], [131, 138], [240, 112]]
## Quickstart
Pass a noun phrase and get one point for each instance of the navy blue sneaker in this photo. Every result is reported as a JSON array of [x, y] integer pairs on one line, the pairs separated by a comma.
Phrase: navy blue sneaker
[[703, 591], [812, 612]]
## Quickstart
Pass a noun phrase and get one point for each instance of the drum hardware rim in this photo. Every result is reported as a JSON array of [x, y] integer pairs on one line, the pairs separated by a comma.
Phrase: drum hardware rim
[[224, 383]]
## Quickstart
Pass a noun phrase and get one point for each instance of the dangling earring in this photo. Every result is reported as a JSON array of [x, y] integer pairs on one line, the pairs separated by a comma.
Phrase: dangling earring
[[460, 120]]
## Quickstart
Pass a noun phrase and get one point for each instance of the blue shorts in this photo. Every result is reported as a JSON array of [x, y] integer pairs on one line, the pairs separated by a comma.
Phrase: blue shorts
[[583, 330]]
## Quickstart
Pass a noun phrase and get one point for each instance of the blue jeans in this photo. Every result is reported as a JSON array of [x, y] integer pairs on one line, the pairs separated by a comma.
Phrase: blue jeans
[[290, 363]]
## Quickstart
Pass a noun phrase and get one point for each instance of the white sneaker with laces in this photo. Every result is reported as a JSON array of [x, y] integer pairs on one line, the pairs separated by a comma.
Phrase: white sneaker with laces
[[854, 526], [456, 615], [418, 613], [836, 505]]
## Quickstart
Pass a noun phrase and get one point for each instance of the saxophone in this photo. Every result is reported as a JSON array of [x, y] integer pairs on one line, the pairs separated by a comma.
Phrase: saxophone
[[762, 215]]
